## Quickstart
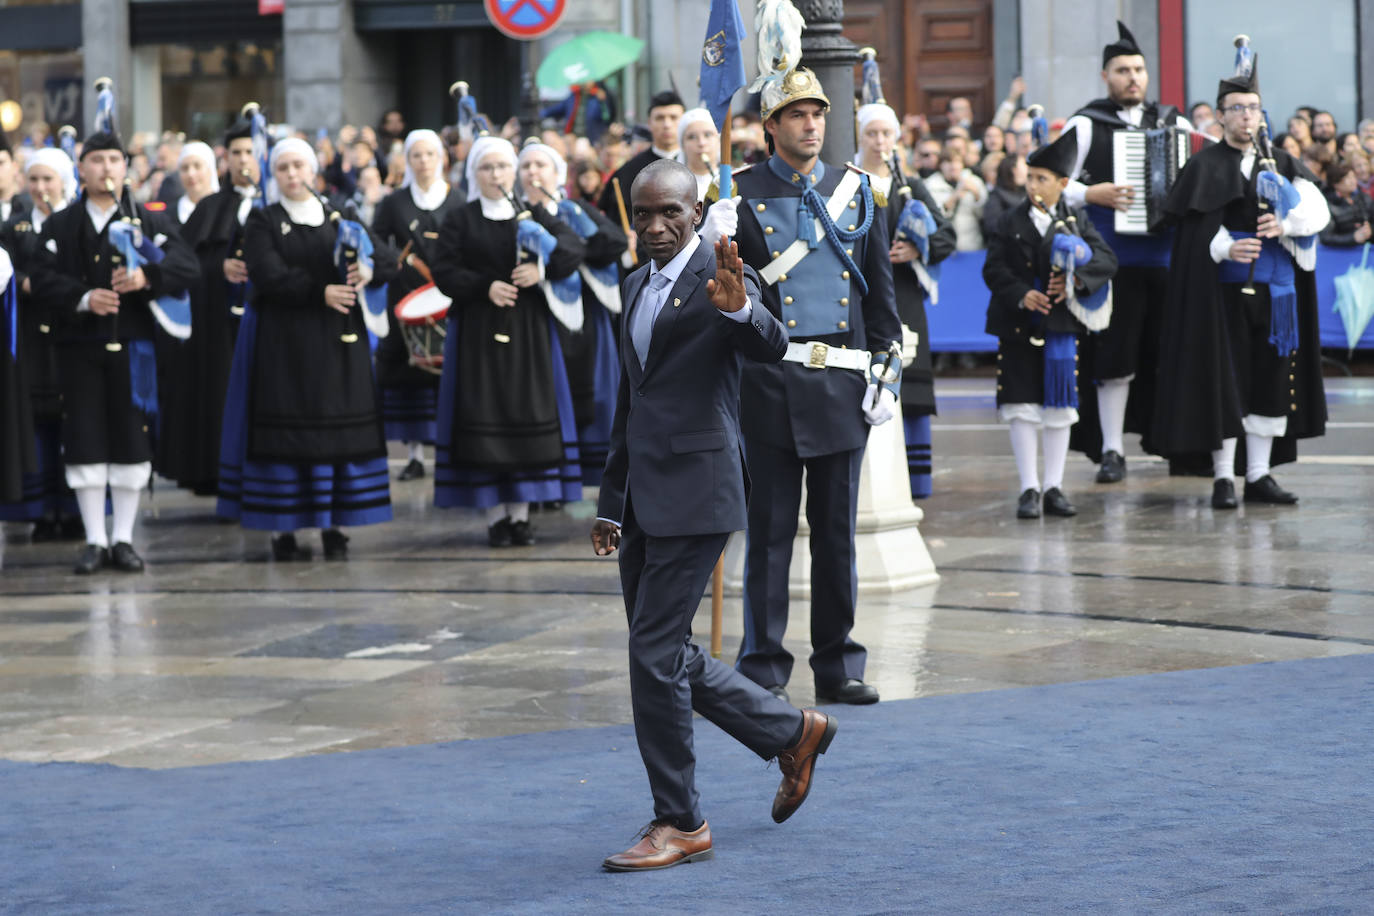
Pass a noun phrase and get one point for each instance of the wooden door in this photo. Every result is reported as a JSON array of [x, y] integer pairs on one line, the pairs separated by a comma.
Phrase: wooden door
[[931, 51]]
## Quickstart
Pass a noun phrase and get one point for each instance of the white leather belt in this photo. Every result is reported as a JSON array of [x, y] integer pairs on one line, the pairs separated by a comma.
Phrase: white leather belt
[[815, 355]]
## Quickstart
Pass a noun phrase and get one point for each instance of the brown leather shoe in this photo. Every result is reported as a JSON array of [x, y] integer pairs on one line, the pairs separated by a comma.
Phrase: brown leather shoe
[[662, 845], [798, 761]]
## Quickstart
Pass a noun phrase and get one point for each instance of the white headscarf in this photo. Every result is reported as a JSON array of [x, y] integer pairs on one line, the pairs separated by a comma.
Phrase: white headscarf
[[204, 154], [59, 162], [867, 114], [483, 147], [560, 165], [421, 136], [289, 145], [690, 117]]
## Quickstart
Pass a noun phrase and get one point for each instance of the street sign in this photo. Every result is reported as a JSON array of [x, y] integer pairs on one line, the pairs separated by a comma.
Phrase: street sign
[[525, 19]]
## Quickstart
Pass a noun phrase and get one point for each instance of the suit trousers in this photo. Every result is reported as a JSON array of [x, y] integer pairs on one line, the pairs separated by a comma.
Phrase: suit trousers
[[663, 580], [832, 502]]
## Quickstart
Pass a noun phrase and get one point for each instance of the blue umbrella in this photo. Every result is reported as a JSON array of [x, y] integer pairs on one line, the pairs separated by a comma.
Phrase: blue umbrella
[[1355, 299]]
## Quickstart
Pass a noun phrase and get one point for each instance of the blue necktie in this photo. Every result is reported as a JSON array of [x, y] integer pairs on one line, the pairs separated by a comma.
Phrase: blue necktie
[[650, 305]]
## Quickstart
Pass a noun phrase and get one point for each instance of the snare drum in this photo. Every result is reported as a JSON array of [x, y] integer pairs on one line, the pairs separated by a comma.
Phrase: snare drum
[[423, 316]]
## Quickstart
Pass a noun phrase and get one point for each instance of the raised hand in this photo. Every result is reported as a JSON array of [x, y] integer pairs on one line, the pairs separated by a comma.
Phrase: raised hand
[[726, 288]]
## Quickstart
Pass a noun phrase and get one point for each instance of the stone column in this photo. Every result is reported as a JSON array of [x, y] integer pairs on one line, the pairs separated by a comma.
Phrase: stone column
[[332, 75], [106, 52], [832, 57]]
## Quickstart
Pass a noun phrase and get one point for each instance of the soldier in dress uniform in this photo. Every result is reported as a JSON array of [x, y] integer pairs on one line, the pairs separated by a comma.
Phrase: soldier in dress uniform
[[810, 230], [103, 321]]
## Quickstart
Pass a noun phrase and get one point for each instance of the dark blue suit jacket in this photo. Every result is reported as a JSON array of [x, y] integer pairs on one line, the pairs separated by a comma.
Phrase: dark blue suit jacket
[[675, 442]]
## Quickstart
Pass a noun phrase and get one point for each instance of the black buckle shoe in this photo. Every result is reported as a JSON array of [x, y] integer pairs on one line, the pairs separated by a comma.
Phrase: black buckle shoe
[[1224, 494], [335, 544], [412, 471], [521, 534], [851, 690], [1028, 505], [1056, 503], [124, 558], [1267, 490], [286, 550], [92, 558], [1113, 468], [499, 534]]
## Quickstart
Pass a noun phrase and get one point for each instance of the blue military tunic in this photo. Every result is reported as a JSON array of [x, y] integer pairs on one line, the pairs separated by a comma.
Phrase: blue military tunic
[[840, 294]]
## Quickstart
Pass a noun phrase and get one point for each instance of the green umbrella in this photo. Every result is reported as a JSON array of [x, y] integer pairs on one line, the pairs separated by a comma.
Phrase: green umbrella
[[588, 57]]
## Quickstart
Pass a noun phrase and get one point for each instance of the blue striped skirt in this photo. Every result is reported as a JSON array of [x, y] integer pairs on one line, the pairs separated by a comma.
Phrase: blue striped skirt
[[917, 431], [408, 414]]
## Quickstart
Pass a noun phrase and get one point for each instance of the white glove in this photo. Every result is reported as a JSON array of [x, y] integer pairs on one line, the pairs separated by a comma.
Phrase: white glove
[[880, 413], [721, 219]]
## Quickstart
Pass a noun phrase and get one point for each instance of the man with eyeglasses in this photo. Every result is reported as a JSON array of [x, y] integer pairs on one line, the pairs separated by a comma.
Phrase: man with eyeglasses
[[1121, 360], [1240, 351]]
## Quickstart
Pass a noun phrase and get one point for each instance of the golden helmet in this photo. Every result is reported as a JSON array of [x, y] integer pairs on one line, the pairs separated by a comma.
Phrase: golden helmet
[[797, 85]]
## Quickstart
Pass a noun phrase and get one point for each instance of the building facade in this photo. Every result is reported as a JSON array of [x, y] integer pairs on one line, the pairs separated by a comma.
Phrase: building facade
[[188, 65]]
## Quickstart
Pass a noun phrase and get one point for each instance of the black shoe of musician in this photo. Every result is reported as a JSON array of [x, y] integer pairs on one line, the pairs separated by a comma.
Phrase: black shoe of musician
[[1028, 506], [92, 558], [1056, 503], [521, 534], [412, 471], [1113, 468], [1267, 490], [124, 558], [335, 544], [1223, 494], [286, 550], [499, 534]]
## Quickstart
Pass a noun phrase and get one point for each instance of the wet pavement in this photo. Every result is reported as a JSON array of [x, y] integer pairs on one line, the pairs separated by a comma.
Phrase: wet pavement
[[217, 654]]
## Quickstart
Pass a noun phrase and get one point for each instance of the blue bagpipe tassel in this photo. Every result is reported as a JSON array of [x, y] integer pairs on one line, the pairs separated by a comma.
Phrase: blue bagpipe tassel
[[1061, 387], [143, 376]]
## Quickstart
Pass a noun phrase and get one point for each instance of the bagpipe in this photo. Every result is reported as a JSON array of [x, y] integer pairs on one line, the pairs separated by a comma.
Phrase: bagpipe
[[240, 293], [353, 246]]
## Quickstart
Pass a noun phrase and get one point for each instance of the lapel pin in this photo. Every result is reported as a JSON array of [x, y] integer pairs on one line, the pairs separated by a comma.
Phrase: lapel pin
[[676, 303], [285, 228]]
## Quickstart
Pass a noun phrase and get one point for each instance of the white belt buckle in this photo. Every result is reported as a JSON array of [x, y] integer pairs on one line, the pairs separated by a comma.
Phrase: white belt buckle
[[819, 352]]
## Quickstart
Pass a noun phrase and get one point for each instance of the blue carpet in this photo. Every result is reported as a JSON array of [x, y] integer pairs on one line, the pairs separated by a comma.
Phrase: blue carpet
[[1224, 790]]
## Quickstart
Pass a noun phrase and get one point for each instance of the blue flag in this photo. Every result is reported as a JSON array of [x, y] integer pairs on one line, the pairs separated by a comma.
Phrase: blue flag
[[722, 60]]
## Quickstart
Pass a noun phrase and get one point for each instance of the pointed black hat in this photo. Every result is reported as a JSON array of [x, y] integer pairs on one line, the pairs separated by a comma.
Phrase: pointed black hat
[[1059, 157], [1124, 44]]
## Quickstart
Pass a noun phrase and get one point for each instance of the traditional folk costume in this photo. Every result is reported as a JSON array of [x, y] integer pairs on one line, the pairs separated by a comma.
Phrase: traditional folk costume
[[193, 374], [1233, 363], [17, 459], [706, 179], [507, 432], [45, 499], [106, 363], [813, 411], [589, 349], [302, 445], [1037, 374], [912, 216], [409, 221], [1121, 360]]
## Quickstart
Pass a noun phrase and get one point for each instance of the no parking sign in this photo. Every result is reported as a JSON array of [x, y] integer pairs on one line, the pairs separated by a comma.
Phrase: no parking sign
[[525, 19]]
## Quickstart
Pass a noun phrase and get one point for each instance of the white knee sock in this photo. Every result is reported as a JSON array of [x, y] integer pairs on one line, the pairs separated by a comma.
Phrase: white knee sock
[[495, 514], [91, 503], [1056, 454], [1024, 447], [1257, 449], [1224, 460], [1111, 406], [519, 512], [124, 502], [417, 451]]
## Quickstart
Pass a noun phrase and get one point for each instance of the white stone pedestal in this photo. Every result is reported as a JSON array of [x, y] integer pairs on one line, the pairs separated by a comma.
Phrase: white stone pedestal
[[890, 552]]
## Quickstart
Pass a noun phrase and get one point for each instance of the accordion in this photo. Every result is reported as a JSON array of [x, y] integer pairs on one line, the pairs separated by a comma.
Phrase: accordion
[[1148, 161]]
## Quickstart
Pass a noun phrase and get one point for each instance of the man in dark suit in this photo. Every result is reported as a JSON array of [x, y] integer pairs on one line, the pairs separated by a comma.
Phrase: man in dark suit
[[673, 490]]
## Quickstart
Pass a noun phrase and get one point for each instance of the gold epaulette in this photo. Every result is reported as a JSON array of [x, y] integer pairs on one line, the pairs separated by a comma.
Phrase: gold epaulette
[[879, 198], [713, 189]]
